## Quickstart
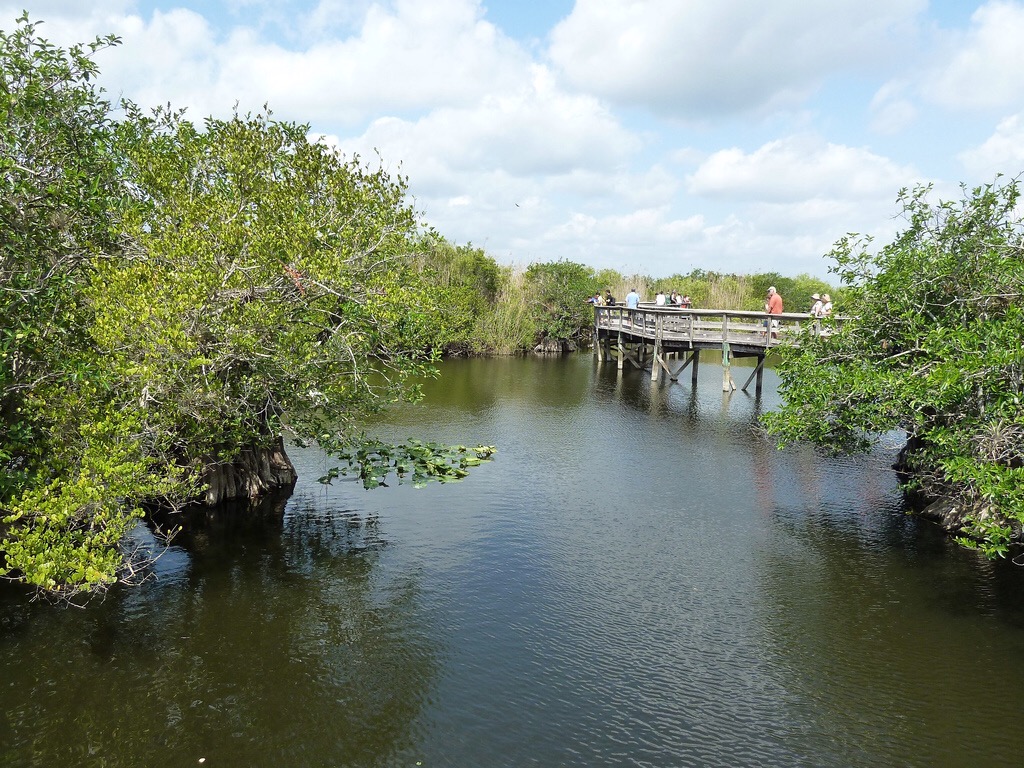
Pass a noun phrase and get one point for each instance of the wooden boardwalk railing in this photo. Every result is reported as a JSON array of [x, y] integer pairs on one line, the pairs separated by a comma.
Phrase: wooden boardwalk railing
[[671, 332]]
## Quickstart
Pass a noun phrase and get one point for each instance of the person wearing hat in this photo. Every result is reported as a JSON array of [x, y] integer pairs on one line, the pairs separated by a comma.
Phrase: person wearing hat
[[816, 309], [826, 305], [773, 306]]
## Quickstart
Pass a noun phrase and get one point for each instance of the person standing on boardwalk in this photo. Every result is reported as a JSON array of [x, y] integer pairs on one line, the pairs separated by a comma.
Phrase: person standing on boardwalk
[[632, 299], [826, 305], [773, 306]]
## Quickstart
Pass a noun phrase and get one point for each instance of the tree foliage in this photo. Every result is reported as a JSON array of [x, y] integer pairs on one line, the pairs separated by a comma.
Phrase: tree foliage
[[271, 286], [67, 460], [933, 349], [558, 292], [174, 295], [464, 285]]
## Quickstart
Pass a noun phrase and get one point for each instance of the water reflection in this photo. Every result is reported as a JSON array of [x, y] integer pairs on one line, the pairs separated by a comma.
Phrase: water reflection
[[267, 641], [898, 650], [638, 578]]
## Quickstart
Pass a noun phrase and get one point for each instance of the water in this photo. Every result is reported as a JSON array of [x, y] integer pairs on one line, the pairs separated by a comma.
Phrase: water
[[638, 579]]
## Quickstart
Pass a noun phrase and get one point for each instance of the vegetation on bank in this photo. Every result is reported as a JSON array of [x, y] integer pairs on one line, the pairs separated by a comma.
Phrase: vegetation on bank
[[932, 348]]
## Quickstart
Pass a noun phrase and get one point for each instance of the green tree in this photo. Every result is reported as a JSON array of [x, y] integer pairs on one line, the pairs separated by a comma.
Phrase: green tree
[[274, 287], [60, 197], [933, 350], [559, 291], [175, 298], [464, 283], [57, 176], [804, 285]]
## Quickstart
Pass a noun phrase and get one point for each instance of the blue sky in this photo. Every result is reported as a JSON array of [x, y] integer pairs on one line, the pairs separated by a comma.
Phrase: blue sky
[[650, 136]]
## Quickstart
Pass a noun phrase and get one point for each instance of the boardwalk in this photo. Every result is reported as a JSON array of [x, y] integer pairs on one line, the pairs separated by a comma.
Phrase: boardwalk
[[671, 339]]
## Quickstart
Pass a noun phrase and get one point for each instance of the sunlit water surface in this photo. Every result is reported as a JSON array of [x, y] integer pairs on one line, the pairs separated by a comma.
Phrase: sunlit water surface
[[638, 579]]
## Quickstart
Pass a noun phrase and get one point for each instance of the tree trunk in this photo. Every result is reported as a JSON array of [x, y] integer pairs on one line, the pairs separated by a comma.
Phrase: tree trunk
[[253, 473]]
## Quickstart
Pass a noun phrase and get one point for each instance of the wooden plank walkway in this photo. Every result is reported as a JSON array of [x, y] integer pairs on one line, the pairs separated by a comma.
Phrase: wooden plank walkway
[[626, 334]]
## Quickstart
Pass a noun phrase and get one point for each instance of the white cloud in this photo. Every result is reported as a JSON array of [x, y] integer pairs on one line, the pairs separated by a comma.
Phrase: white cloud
[[534, 129], [892, 110], [1003, 152], [84, 12], [705, 57], [407, 57], [799, 168], [332, 18], [987, 67], [530, 154]]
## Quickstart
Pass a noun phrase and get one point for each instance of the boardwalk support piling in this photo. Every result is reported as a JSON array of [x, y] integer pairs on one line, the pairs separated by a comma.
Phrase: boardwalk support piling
[[759, 372], [728, 385], [674, 375]]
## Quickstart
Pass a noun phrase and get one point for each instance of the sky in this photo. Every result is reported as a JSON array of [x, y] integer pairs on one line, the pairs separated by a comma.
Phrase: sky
[[648, 136]]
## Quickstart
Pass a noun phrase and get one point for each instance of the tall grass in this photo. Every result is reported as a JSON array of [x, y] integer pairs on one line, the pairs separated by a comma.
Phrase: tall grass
[[730, 292], [718, 292], [640, 283], [508, 328]]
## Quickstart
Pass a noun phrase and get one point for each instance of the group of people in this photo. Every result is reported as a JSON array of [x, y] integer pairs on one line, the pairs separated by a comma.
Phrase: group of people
[[822, 305], [772, 305], [677, 300], [602, 301]]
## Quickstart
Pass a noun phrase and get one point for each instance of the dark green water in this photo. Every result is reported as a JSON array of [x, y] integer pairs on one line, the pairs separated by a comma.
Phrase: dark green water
[[638, 579]]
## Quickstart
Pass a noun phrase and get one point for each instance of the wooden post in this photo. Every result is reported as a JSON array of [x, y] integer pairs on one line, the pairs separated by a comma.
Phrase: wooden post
[[728, 385], [758, 372], [622, 352], [674, 375], [726, 362], [656, 360], [693, 373]]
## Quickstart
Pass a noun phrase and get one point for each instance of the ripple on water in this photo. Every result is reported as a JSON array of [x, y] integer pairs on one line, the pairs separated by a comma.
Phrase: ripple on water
[[638, 578]]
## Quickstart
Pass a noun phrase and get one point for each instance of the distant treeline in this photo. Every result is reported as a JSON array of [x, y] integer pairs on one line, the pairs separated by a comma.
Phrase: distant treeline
[[488, 308]]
